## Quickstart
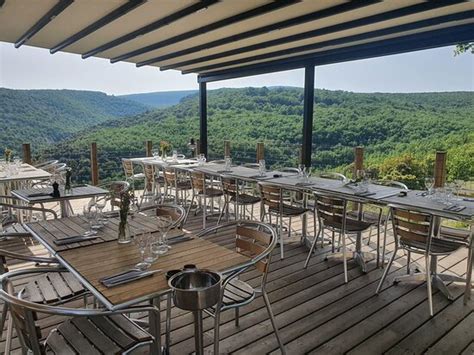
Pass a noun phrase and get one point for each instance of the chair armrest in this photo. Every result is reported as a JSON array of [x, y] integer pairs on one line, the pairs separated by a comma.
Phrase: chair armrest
[[29, 208], [36, 259]]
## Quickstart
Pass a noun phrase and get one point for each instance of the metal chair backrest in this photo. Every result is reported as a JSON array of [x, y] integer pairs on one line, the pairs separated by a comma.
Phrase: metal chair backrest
[[392, 183], [331, 211], [253, 242], [229, 185], [170, 176], [177, 214], [127, 165], [332, 175], [412, 226], [272, 195], [253, 239], [198, 181], [115, 189], [149, 171]]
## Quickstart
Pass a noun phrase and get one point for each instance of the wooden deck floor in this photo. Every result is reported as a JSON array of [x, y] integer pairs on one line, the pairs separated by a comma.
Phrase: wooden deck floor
[[317, 313]]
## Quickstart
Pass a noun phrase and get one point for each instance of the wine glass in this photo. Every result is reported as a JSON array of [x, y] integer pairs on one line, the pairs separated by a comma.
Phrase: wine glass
[[301, 168], [429, 183], [228, 163], [90, 215], [261, 167], [307, 173], [156, 153], [142, 241], [101, 203], [164, 224]]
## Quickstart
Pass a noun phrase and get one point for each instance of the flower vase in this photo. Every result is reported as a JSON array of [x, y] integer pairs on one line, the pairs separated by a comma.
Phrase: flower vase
[[124, 232]]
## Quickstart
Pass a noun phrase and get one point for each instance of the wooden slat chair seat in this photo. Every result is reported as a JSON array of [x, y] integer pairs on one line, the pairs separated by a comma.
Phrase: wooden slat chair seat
[[289, 210], [332, 215], [455, 233], [414, 232], [85, 331], [114, 334], [255, 240], [53, 288], [235, 192], [211, 192], [237, 292]]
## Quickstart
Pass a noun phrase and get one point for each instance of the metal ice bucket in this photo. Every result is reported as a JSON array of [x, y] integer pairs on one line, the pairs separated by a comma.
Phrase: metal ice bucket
[[195, 290]]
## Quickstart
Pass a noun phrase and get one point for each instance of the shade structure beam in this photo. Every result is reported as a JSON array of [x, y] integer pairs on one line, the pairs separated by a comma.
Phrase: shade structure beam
[[112, 16], [410, 43], [203, 118], [203, 4], [207, 28], [308, 107], [60, 6], [339, 41], [317, 15]]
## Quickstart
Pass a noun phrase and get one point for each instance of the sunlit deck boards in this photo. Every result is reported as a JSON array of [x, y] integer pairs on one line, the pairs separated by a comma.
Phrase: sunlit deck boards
[[318, 313]]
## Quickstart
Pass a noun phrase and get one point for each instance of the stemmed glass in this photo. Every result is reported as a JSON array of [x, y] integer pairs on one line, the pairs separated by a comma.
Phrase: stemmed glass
[[101, 203], [156, 153], [307, 173], [261, 167], [164, 224], [142, 241], [91, 215], [429, 183], [228, 163], [301, 168]]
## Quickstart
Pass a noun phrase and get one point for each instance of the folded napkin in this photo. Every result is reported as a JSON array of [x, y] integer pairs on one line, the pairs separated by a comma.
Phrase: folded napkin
[[454, 208], [125, 277], [224, 171], [39, 194], [74, 239], [305, 184], [364, 193]]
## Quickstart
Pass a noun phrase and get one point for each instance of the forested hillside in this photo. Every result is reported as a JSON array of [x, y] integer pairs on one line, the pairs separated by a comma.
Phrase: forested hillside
[[47, 116], [159, 99], [407, 127]]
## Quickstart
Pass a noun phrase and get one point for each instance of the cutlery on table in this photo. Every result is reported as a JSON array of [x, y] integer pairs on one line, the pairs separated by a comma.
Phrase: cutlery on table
[[74, 239], [127, 276]]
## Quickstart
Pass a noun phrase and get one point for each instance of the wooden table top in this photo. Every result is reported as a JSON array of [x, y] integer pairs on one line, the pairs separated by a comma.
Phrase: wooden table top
[[94, 262], [50, 230], [26, 172], [78, 192]]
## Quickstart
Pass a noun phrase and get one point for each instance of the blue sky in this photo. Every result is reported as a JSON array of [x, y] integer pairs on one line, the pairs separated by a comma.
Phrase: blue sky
[[429, 70]]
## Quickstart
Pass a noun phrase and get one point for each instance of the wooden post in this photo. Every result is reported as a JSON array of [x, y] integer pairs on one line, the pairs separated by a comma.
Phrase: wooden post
[[26, 153], [358, 160], [94, 164], [149, 148], [226, 148], [260, 151], [440, 169], [198, 147]]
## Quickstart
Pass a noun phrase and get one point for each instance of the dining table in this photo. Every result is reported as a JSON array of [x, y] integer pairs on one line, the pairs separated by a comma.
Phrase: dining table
[[93, 260], [43, 195], [16, 175]]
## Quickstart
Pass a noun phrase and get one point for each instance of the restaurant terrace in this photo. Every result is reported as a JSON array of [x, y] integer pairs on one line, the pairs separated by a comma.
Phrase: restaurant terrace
[[185, 254]]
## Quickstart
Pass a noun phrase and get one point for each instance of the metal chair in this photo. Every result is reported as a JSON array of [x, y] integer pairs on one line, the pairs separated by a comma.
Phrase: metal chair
[[115, 189], [257, 241], [85, 331], [202, 190], [377, 218], [178, 183], [152, 188], [273, 204], [176, 212], [49, 288], [332, 215], [413, 231], [236, 195], [130, 176]]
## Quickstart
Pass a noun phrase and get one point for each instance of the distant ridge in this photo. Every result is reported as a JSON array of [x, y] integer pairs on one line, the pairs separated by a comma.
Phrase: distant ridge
[[159, 99]]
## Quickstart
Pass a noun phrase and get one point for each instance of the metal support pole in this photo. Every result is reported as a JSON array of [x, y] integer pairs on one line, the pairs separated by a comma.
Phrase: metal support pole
[[203, 118], [308, 115]]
